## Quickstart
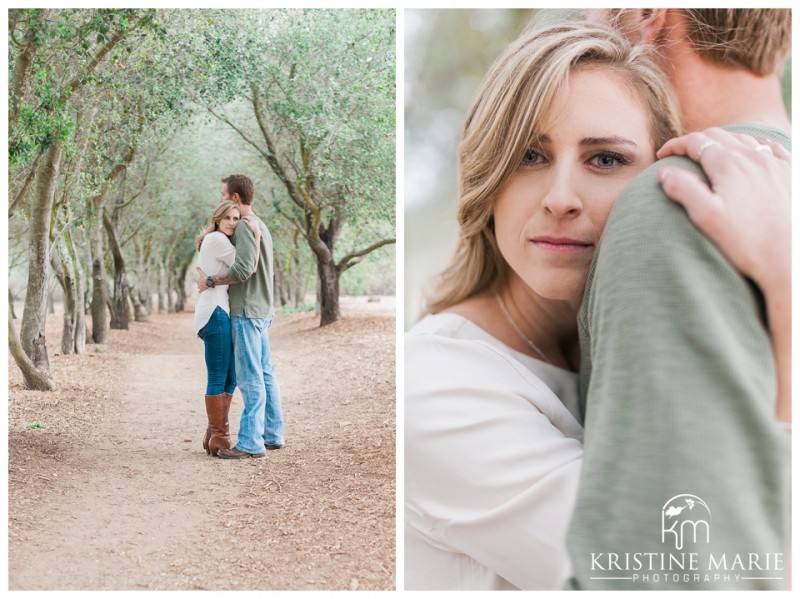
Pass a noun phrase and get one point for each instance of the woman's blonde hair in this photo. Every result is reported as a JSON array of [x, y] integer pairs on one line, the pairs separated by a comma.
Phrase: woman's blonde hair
[[513, 107], [213, 224]]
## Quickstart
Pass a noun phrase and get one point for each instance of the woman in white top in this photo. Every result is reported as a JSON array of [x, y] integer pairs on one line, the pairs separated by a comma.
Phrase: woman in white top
[[493, 442], [212, 324]]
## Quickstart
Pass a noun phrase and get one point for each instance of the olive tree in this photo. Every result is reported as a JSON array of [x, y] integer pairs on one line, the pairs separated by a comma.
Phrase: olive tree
[[319, 90]]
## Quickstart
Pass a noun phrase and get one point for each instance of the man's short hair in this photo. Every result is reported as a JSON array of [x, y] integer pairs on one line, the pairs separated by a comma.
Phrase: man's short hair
[[243, 185], [758, 40]]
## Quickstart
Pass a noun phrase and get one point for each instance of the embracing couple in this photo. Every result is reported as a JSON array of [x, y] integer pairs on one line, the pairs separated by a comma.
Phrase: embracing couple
[[612, 412], [232, 316]]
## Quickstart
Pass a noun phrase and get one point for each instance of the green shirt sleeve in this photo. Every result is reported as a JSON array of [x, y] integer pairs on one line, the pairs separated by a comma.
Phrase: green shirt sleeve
[[678, 387], [246, 253]]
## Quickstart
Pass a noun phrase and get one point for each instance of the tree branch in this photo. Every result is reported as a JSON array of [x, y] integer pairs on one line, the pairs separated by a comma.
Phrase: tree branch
[[295, 193], [296, 224], [25, 186], [138, 193], [80, 79], [351, 260], [21, 67]]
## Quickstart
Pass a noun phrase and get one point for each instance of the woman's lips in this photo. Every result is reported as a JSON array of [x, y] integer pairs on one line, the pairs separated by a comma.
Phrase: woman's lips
[[561, 244]]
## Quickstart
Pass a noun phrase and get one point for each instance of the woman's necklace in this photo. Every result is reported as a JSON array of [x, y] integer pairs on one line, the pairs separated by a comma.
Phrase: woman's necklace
[[522, 335]]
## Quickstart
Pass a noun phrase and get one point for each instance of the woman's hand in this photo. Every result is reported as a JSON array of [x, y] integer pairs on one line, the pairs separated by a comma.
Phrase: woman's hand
[[746, 212], [252, 222]]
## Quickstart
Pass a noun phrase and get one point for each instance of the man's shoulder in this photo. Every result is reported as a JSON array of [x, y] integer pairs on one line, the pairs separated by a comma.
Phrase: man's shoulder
[[644, 193], [645, 189], [647, 232], [241, 230], [644, 210], [756, 130]]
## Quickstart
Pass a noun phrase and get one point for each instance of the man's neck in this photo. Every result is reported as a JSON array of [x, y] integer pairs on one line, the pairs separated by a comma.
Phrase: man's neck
[[714, 96], [244, 209]]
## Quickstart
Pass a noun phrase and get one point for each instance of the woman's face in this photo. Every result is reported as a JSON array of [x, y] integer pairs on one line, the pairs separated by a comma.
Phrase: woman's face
[[549, 215], [228, 222]]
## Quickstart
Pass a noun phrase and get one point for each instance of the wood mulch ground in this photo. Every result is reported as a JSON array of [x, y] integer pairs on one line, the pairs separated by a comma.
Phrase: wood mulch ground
[[110, 488]]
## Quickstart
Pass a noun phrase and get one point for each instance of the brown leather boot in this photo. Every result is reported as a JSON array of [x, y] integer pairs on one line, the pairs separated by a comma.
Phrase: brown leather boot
[[207, 436], [217, 407], [228, 402]]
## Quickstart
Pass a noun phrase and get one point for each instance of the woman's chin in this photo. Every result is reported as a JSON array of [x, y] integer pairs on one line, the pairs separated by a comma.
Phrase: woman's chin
[[560, 288]]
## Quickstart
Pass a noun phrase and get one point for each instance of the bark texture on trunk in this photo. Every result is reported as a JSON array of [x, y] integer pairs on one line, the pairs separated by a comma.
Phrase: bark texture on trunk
[[32, 333]]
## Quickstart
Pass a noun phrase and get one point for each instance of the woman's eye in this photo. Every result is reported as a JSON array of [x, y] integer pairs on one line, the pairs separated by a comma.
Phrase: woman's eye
[[531, 157], [608, 160]]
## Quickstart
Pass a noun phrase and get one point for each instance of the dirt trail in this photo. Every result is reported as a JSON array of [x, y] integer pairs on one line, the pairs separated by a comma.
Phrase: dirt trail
[[116, 492]]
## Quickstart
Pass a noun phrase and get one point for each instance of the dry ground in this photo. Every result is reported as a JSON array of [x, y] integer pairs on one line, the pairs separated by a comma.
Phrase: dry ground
[[114, 491]]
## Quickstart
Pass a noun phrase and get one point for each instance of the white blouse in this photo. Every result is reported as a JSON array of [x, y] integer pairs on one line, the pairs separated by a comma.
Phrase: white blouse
[[216, 253], [492, 460]]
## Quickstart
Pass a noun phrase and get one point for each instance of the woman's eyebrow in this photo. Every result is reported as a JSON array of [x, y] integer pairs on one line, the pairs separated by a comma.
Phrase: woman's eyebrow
[[602, 141], [590, 141]]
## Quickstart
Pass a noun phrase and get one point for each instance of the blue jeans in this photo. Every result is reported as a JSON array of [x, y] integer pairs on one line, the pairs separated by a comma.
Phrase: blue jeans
[[262, 418], [216, 336]]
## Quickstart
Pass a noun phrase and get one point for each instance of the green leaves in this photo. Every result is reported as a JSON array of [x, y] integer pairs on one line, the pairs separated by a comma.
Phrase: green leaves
[[323, 81]]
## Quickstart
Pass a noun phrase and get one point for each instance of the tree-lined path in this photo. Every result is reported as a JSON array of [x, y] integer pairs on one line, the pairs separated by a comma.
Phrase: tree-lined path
[[122, 122], [109, 487]]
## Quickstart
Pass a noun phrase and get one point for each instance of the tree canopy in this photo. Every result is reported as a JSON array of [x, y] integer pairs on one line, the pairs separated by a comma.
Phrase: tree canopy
[[123, 121]]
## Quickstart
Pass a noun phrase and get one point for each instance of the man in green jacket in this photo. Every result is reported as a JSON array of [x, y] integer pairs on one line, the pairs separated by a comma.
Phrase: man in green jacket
[[251, 299], [685, 479]]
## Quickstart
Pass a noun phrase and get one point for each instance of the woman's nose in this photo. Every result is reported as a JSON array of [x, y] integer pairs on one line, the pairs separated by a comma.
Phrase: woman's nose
[[562, 197]]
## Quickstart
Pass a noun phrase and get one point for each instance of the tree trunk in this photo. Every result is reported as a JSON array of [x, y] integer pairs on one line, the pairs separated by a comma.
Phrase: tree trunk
[[180, 286], [119, 305], [11, 310], [120, 316], [163, 288], [290, 280], [328, 276], [32, 334], [171, 299], [147, 300], [327, 272], [73, 339], [34, 378], [99, 284], [180, 298], [147, 294], [140, 291], [80, 294], [65, 274], [139, 309], [299, 282], [281, 288]]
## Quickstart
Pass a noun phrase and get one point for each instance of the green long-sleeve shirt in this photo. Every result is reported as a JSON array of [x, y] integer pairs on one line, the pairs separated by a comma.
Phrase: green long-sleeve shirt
[[678, 389], [252, 295]]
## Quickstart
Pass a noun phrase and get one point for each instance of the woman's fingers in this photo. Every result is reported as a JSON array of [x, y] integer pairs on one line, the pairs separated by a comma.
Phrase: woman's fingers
[[695, 144], [698, 144], [744, 205], [690, 191], [777, 149], [680, 146]]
